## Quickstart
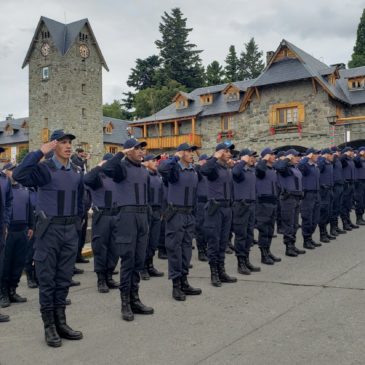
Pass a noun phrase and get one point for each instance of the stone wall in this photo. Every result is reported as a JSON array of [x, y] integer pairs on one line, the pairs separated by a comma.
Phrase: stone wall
[[59, 101]]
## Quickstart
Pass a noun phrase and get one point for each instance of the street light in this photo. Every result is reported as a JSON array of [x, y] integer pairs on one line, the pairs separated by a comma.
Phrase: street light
[[332, 120]]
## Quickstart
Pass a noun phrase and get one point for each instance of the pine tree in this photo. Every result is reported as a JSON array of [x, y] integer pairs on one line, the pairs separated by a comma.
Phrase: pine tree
[[358, 57], [251, 63], [181, 60], [232, 65], [214, 74]]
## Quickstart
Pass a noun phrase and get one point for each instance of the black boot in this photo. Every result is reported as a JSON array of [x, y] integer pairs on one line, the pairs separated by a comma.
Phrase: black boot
[[102, 287], [127, 313], [330, 237], [308, 244], [187, 288], [338, 229], [50, 333], [15, 297], [265, 258], [31, 282], [315, 244], [152, 271], [81, 260], [4, 318], [4, 298], [75, 283], [202, 255], [110, 282], [144, 273], [323, 234], [177, 293], [290, 251], [137, 306], [214, 277], [333, 230], [251, 267], [162, 254], [359, 220], [223, 276], [298, 250], [78, 271], [229, 249], [346, 225], [352, 225], [241, 266], [63, 329], [272, 256]]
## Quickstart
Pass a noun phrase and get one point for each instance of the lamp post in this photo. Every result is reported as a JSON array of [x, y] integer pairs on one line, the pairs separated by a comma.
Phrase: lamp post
[[332, 120]]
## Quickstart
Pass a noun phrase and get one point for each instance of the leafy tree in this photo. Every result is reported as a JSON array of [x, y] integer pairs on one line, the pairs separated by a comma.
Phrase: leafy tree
[[358, 57], [181, 60], [116, 110], [251, 62], [151, 100], [214, 74], [232, 65], [22, 153]]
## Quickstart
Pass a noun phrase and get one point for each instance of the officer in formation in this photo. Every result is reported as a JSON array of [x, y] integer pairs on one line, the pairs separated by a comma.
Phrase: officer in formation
[[59, 211], [359, 195]]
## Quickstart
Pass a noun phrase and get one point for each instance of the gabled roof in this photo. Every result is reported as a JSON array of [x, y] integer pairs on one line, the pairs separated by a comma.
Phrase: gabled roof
[[183, 94], [63, 36]]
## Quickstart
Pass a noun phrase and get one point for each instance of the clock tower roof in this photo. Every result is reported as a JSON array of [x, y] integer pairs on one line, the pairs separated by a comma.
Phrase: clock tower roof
[[63, 37]]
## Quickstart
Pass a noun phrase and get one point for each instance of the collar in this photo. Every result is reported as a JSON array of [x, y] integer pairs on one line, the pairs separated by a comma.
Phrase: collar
[[183, 167], [133, 163], [59, 166]]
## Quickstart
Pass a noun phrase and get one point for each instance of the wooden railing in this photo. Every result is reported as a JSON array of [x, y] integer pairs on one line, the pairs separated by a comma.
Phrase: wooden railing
[[172, 141]]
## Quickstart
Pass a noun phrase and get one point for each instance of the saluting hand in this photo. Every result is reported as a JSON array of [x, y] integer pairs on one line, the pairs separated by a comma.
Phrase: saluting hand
[[218, 154], [48, 147], [179, 154], [127, 150]]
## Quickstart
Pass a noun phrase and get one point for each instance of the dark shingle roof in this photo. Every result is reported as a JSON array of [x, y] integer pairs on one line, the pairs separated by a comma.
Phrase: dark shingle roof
[[20, 135], [353, 72], [63, 36], [120, 133]]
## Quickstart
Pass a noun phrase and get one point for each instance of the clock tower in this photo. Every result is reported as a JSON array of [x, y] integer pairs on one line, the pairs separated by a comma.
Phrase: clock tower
[[65, 84]]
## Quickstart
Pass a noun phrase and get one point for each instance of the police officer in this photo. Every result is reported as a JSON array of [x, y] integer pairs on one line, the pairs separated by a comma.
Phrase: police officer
[[279, 156], [59, 212], [218, 215], [326, 192], [338, 183], [291, 193], [130, 230], [182, 180], [20, 231], [202, 199], [359, 195], [103, 191], [310, 204], [348, 189], [266, 206], [155, 201], [244, 200]]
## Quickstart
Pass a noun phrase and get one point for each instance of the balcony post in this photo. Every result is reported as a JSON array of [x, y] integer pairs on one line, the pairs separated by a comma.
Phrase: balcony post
[[144, 130], [176, 132]]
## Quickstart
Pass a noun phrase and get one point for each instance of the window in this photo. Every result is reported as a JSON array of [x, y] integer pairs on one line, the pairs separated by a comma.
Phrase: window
[[45, 97], [181, 104], [45, 135], [9, 131], [108, 129], [287, 115], [232, 96], [45, 35], [206, 99], [83, 37], [83, 112], [357, 83], [113, 149], [45, 73], [226, 122], [83, 88]]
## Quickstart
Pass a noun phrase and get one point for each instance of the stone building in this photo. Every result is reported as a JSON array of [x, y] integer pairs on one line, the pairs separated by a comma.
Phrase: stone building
[[296, 101]]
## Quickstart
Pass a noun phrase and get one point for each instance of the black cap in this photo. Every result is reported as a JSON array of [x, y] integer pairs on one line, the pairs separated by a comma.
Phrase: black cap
[[280, 154], [346, 149], [59, 134], [335, 149], [293, 152], [224, 146], [326, 150], [204, 156], [247, 152], [267, 151], [186, 147], [133, 143], [311, 150], [108, 156], [151, 157]]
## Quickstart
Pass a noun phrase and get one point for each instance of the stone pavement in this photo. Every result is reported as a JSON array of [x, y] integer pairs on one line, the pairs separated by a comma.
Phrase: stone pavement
[[307, 310]]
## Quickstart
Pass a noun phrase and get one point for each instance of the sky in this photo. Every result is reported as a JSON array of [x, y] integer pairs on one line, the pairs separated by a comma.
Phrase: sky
[[127, 29]]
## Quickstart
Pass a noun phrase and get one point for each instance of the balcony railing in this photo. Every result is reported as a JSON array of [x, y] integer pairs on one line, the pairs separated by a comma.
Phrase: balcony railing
[[166, 142]]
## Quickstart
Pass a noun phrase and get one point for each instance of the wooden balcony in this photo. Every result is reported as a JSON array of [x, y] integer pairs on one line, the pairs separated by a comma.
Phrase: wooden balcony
[[170, 142]]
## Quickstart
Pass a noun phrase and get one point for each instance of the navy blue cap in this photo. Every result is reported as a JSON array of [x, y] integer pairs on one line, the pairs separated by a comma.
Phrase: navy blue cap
[[346, 149], [335, 149], [247, 152], [204, 156], [311, 150], [280, 154], [132, 142], [362, 148], [2, 149], [293, 152], [108, 156], [151, 157], [60, 134], [267, 151], [326, 150], [186, 147], [224, 146], [9, 166]]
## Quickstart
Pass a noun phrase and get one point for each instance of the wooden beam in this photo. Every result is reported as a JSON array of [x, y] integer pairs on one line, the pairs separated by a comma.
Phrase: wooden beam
[[361, 117], [193, 126], [160, 126], [144, 130], [257, 93], [314, 86], [176, 128]]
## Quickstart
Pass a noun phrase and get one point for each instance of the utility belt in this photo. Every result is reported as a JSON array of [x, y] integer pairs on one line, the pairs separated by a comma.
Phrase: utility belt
[[243, 201], [291, 194], [310, 191], [155, 208], [106, 211], [349, 183], [202, 199], [18, 227], [213, 205], [171, 210], [339, 183], [64, 220], [241, 206], [326, 187], [267, 199], [134, 209]]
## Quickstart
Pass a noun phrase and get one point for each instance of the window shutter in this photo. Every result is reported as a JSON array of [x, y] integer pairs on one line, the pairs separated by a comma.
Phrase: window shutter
[[272, 116], [300, 113]]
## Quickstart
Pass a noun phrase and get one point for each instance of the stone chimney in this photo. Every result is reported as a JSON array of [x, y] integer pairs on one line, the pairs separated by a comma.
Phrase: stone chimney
[[269, 55]]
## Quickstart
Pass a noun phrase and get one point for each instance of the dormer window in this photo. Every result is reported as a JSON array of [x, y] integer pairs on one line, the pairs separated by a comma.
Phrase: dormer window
[[9, 131], [181, 100], [45, 35], [206, 99], [108, 129], [357, 83], [232, 96], [231, 93], [83, 37]]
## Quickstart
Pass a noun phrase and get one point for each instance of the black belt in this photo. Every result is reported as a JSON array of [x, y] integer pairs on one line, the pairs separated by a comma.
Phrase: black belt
[[338, 183], [183, 210], [156, 207], [223, 203], [269, 199], [107, 211], [134, 209], [202, 199], [64, 220], [18, 227], [246, 201], [310, 191], [326, 187]]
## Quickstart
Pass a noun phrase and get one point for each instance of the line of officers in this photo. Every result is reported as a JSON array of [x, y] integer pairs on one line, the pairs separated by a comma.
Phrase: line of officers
[[143, 203]]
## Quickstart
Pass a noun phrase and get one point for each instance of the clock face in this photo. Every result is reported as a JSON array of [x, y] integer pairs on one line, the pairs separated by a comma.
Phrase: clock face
[[84, 51], [45, 49]]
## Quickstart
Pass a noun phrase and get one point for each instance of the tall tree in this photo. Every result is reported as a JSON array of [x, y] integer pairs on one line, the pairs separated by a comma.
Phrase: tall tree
[[181, 60], [251, 61], [214, 74], [116, 110], [358, 57], [232, 65]]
